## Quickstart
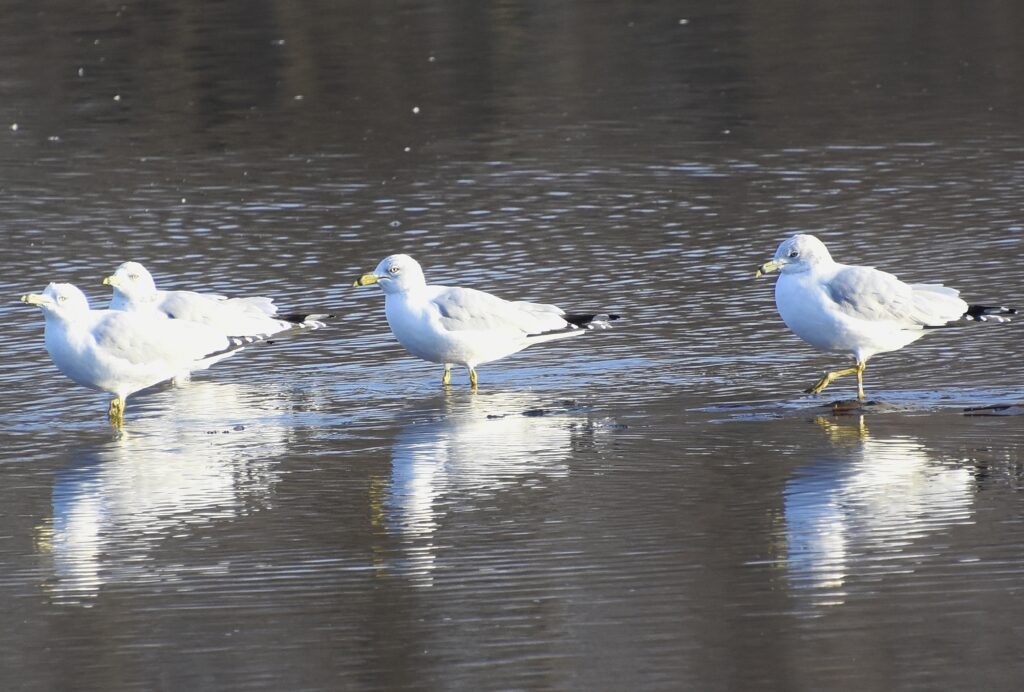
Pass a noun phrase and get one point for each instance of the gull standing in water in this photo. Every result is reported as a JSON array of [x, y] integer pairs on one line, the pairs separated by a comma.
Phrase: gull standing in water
[[463, 326], [859, 310], [134, 289], [120, 351]]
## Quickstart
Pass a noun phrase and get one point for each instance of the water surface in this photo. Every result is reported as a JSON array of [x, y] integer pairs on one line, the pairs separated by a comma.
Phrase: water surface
[[655, 506]]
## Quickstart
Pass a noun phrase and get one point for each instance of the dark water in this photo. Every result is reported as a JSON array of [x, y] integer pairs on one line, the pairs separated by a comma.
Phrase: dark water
[[653, 507]]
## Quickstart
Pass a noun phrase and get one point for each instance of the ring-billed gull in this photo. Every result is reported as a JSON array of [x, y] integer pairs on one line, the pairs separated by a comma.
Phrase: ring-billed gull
[[859, 310], [134, 289], [463, 326], [121, 352]]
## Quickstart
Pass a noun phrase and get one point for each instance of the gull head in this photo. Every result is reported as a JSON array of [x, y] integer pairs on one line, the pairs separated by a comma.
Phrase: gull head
[[800, 253], [62, 301], [395, 274], [132, 284]]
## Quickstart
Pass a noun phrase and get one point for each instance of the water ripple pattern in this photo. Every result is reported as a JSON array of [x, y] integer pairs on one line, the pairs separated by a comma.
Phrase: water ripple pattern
[[657, 506]]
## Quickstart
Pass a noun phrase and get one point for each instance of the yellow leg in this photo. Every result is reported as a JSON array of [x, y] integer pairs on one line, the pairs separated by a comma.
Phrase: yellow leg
[[833, 375], [116, 411], [472, 378], [446, 379]]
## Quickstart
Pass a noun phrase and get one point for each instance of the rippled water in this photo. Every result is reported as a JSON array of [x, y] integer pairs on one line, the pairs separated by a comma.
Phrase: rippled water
[[654, 506]]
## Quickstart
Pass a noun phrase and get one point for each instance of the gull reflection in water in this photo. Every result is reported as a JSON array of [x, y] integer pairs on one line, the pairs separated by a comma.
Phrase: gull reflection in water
[[208, 458], [469, 450], [862, 510]]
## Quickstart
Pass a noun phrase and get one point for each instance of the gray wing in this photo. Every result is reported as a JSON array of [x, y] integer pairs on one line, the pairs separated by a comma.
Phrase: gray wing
[[207, 308], [463, 309], [140, 339], [873, 295], [232, 316], [254, 305]]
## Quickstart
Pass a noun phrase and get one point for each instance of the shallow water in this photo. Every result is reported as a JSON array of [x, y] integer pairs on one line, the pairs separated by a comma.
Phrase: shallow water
[[654, 506]]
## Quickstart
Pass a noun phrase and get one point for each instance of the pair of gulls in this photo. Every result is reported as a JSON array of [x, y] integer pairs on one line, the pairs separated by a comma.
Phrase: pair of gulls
[[148, 336], [833, 307]]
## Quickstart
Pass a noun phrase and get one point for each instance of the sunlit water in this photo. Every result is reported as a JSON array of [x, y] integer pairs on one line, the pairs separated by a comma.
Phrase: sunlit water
[[656, 506]]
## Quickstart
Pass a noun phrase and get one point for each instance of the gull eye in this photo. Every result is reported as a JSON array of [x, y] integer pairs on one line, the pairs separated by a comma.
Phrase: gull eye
[[61, 299], [793, 253], [133, 277], [394, 269]]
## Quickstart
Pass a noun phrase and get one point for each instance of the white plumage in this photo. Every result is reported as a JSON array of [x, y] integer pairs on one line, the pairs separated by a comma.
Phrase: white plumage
[[135, 290], [858, 310], [120, 351], [464, 326]]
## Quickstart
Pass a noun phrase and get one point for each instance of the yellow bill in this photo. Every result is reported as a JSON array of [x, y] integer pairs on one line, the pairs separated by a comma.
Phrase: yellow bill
[[767, 268], [34, 299], [110, 280], [365, 280]]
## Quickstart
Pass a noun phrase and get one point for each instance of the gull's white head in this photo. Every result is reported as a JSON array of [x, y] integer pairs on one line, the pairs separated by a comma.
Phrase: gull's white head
[[133, 286], [60, 301], [799, 253], [395, 274]]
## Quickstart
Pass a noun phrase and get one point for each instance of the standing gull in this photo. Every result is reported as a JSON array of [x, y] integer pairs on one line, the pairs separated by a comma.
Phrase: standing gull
[[134, 289], [121, 352], [463, 326], [859, 310]]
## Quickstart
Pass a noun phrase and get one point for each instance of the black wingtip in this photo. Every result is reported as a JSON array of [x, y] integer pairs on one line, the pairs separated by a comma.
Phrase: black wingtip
[[299, 317], [988, 313], [236, 343], [584, 320], [306, 320]]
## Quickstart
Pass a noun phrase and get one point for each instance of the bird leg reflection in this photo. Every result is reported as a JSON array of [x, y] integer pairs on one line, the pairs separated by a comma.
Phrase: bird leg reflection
[[842, 433]]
